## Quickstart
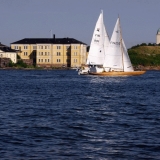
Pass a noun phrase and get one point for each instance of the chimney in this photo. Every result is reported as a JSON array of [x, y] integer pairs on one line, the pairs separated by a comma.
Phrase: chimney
[[54, 36]]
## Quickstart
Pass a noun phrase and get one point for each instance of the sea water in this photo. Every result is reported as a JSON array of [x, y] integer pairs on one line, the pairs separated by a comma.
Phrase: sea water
[[59, 115]]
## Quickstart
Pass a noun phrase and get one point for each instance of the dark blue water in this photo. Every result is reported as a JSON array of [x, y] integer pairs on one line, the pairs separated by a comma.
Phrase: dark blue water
[[60, 115]]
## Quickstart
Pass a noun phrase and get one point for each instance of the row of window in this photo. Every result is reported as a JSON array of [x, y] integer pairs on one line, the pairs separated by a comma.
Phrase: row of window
[[47, 54], [44, 54], [67, 60], [75, 47], [43, 47], [68, 54], [25, 47], [26, 53], [67, 47], [8, 55], [58, 54], [58, 60], [45, 60]]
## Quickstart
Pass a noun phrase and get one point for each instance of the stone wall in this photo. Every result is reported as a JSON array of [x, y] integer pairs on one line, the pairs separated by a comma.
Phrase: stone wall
[[147, 68], [28, 61], [53, 65], [4, 62]]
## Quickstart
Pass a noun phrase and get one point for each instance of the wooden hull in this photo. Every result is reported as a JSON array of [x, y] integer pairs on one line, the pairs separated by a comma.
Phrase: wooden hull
[[134, 73]]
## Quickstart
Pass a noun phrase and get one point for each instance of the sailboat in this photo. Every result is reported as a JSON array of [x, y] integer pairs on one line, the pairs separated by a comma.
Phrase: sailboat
[[117, 61], [98, 47]]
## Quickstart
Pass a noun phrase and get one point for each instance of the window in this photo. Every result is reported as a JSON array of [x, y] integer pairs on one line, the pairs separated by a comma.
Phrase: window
[[46, 47], [75, 47], [34, 47], [48, 60], [58, 53], [48, 53], [75, 60], [41, 47], [39, 60], [15, 47], [45, 60], [25, 53], [45, 53], [25, 47], [58, 47], [75, 53], [58, 60], [41, 53]]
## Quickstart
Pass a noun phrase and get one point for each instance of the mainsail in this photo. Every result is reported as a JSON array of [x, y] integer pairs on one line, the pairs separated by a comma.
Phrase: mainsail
[[106, 39], [98, 44], [116, 57], [113, 54]]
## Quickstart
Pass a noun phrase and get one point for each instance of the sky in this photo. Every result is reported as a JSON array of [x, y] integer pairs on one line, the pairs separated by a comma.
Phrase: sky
[[140, 19]]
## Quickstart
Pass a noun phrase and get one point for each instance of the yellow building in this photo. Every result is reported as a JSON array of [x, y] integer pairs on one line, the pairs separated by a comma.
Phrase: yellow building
[[52, 52]]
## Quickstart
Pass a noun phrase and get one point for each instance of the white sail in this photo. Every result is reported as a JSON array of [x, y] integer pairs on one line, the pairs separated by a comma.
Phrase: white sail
[[106, 39], [117, 61], [127, 63], [113, 56], [116, 57], [96, 52]]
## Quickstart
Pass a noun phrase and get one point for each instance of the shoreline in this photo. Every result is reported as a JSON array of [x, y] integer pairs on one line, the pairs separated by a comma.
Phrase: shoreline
[[140, 67]]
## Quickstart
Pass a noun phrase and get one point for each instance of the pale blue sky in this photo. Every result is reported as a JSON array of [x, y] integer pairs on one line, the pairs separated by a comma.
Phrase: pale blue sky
[[140, 19]]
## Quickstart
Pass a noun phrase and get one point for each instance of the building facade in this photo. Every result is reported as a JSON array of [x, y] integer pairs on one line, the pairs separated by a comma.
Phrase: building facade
[[7, 52], [52, 52], [158, 37]]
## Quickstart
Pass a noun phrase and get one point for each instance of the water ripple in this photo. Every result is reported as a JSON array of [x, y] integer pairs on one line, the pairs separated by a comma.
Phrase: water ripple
[[61, 115]]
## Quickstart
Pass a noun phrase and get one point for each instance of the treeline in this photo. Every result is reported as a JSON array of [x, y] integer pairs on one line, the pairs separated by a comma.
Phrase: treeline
[[145, 55], [145, 44]]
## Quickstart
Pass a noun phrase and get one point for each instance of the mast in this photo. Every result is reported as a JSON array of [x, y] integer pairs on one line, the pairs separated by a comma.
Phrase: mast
[[103, 28], [121, 44]]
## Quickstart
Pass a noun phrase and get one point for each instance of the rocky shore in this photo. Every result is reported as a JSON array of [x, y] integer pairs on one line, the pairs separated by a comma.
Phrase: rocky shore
[[141, 67]]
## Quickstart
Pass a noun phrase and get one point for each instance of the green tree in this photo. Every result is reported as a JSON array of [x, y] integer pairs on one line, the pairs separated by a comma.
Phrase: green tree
[[20, 63]]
